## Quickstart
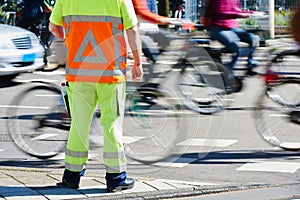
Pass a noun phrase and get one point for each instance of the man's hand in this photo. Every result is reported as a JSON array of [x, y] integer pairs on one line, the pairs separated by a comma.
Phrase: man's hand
[[136, 48], [168, 20], [56, 30], [137, 72]]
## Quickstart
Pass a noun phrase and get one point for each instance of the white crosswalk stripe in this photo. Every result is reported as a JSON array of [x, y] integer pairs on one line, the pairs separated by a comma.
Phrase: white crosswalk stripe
[[283, 167], [207, 142], [180, 162]]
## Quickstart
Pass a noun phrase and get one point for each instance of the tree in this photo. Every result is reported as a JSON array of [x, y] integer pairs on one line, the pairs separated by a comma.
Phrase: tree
[[163, 9]]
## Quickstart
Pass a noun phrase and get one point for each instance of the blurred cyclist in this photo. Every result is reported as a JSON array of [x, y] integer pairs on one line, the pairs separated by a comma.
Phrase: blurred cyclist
[[224, 28], [152, 6], [33, 13], [142, 10]]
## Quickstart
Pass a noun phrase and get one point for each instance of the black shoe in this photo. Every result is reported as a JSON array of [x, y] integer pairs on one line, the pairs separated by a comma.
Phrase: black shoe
[[251, 73], [70, 179], [66, 184], [128, 184]]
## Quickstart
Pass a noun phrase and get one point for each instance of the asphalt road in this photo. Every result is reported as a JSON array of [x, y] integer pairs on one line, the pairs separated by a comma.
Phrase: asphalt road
[[222, 148]]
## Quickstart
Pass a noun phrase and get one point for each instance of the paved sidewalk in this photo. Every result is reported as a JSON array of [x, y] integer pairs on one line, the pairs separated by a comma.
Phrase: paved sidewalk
[[40, 184]]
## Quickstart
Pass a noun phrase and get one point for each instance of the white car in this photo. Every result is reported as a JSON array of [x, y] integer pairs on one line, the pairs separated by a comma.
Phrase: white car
[[20, 51]]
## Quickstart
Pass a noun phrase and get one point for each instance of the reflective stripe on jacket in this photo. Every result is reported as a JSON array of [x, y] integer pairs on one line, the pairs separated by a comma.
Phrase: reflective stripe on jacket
[[96, 49]]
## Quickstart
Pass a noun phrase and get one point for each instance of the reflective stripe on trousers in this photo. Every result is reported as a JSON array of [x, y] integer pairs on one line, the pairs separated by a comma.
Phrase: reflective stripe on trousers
[[84, 97]]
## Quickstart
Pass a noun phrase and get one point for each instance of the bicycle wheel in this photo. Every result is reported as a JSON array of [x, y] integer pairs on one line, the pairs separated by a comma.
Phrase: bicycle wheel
[[38, 122], [206, 87], [151, 125], [277, 114], [283, 65]]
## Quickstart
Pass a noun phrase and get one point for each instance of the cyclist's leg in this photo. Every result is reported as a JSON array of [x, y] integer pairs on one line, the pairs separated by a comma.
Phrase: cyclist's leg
[[43, 20], [228, 38], [252, 40], [26, 22]]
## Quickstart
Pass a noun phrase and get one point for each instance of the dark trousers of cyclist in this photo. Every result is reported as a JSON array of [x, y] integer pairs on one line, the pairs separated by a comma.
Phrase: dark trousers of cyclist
[[28, 22], [230, 38], [31, 23]]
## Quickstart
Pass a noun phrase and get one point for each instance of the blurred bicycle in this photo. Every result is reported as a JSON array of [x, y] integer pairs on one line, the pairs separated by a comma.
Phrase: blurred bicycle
[[277, 110], [202, 86], [38, 121], [157, 111]]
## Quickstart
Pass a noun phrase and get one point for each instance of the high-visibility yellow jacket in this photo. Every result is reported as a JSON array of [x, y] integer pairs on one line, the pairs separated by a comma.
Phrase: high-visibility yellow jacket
[[94, 33]]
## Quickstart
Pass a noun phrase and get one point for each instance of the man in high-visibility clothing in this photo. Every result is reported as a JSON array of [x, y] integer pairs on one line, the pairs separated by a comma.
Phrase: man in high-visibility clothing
[[95, 71]]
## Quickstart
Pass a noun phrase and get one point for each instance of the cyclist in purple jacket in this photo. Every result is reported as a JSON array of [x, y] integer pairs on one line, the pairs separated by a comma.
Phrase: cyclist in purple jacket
[[224, 28]]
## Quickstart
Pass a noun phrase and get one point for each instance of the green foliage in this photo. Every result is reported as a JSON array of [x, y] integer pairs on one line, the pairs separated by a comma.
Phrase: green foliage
[[249, 22], [283, 17]]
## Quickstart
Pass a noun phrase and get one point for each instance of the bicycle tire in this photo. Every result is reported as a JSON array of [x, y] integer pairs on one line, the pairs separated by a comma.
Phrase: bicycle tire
[[151, 125], [206, 86], [277, 114], [28, 116], [283, 65]]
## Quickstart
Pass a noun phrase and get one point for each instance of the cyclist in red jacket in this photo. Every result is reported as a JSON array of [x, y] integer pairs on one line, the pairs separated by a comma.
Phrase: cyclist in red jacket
[[142, 10]]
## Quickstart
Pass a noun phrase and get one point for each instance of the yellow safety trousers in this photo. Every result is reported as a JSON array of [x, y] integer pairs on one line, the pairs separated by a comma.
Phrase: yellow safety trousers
[[83, 99]]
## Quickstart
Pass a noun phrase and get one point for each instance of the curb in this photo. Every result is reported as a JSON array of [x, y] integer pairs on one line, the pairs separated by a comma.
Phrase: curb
[[186, 192], [12, 179]]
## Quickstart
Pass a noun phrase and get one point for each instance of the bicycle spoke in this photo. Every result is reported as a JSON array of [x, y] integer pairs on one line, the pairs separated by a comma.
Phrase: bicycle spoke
[[277, 117], [39, 132]]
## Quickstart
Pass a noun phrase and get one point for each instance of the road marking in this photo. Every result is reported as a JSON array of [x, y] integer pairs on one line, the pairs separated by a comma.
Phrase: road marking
[[169, 162], [1, 150], [31, 107], [207, 142], [50, 73], [37, 80], [44, 136], [126, 139], [175, 162], [283, 167]]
